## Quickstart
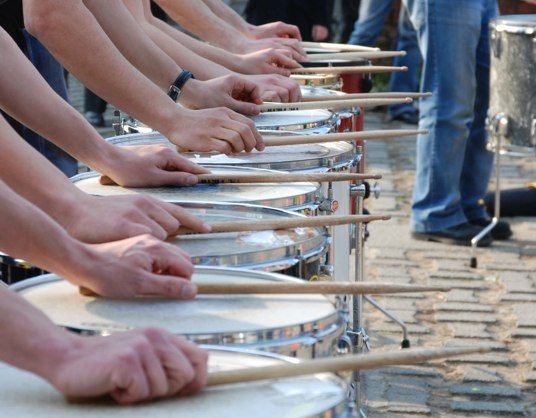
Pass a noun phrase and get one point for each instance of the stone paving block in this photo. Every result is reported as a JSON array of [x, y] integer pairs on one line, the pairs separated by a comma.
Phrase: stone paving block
[[485, 390], [487, 407], [397, 303], [479, 374], [393, 263], [461, 295], [469, 330], [519, 282], [523, 333], [391, 327], [487, 343], [518, 297], [492, 359], [525, 313], [530, 377], [386, 253], [460, 284], [456, 275], [519, 267], [447, 253], [465, 317], [411, 371], [410, 409], [466, 307]]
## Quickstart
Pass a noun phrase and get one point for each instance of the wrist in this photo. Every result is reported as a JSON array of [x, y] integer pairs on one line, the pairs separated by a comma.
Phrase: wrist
[[176, 87]]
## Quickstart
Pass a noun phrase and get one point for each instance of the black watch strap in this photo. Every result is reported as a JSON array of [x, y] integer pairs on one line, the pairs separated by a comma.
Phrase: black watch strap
[[175, 89]]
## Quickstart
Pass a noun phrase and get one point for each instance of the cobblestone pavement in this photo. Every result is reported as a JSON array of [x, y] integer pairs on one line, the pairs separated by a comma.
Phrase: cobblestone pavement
[[493, 305]]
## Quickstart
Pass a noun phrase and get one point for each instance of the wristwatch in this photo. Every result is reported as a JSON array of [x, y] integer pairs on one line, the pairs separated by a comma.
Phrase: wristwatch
[[175, 89]]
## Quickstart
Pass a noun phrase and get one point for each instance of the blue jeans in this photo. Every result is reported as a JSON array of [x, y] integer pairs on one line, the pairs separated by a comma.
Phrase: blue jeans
[[453, 166], [372, 17], [52, 72]]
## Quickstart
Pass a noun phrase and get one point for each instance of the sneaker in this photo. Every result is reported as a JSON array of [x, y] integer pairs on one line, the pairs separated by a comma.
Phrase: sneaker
[[501, 231], [455, 235]]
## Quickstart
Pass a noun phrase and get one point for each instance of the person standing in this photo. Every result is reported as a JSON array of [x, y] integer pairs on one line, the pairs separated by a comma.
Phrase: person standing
[[372, 17], [453, 166]]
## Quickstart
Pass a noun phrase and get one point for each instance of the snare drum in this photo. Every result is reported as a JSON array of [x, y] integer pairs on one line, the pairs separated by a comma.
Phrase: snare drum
[[326, 81], [297, 252], [302, 121], [349, 120], [298, 325], [26, 395], [512, 107], [302, 197]]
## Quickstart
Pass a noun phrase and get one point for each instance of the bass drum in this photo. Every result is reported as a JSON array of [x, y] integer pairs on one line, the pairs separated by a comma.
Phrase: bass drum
[[512, 108]]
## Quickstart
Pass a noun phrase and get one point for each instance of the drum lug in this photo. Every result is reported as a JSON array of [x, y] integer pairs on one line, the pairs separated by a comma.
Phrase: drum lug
[[364, 190], [328, 205], [326, 270]]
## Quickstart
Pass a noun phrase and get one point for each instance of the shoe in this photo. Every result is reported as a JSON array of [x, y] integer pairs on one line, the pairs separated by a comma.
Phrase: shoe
[[501, 231], [95, 118], [455, 235], [411, 118]]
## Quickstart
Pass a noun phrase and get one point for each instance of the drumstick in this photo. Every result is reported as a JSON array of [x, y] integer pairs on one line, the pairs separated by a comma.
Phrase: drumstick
[[270, 177], [295, 222], [275, 141], [338, 364], [337, 47], [332, 104], [356, 69], [349, 56], [379, 95], [282, 288]]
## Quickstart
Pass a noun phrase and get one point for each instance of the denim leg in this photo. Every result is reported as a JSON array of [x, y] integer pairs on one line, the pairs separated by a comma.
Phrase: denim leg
[[52, 72], [449, 36], [405, 80], [478, 163], [371, 21]]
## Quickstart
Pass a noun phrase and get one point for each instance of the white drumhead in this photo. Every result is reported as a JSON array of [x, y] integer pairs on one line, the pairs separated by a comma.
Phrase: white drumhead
[[24, 395], [283, 119], [283, 195], [205, 315]]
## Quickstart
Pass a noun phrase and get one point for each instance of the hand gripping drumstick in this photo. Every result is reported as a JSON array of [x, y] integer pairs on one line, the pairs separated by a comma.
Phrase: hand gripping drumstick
[[333, 365], [355, 69], [331, 104], [338, 364], [285, 288], [270, 178], [337, 47], [378, 95], [351, 56]]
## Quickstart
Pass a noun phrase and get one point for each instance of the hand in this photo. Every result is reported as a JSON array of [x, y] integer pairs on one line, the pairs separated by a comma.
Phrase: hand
[[291, 45], [150, 166], [138, 266], [131, 366], [97, 219], [217, 129], [267, 61], [274, 30], [232, 91], [276, 88], [319, 33]]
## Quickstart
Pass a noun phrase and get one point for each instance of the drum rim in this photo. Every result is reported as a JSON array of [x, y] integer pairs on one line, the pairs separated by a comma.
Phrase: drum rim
[[515, 24], [293, 337], [327, 123]]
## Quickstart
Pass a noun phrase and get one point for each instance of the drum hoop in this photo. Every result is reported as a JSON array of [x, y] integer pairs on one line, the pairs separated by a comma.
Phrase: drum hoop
[[291, 336], [515, 24]]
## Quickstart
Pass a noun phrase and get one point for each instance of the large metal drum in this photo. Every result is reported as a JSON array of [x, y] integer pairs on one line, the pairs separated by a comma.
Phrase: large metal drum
[[512, 109], [24, 395], [305, 326]]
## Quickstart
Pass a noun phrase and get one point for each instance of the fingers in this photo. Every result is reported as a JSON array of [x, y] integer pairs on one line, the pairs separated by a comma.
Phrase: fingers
[[198, 358], [186, 219]]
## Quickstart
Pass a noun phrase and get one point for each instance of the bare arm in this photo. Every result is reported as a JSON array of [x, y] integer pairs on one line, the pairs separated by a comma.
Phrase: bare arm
[[63, 27]]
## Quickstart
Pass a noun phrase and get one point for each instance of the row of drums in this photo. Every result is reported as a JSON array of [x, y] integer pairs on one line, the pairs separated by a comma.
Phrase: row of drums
[[239, 330]]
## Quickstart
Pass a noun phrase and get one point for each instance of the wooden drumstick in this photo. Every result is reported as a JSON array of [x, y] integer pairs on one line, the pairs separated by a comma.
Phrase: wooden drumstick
[[331, 104], [304, 288], [350, 56], [378, 95], [294, 222], [355, 69], [227, 178], [337, 47], [339, 364], [274, 141]]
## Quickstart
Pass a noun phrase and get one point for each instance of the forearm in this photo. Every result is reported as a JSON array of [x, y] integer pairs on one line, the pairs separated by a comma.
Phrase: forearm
[[197, 18], [229, 15], [69, 30], [202, 59], [132, 41]]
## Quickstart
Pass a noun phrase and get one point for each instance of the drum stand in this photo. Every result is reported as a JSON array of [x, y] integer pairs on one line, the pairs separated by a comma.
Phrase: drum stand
[[498, 127]]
